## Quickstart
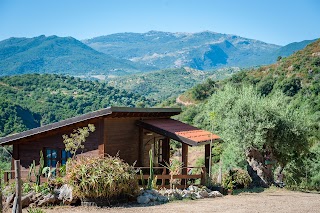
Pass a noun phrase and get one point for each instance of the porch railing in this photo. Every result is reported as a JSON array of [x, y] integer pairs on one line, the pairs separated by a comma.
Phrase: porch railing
[[162, 173], [9, 176], [181, 180]]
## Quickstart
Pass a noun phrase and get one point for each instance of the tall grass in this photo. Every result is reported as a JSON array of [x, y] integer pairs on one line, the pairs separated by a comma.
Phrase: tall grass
[[101, 177]]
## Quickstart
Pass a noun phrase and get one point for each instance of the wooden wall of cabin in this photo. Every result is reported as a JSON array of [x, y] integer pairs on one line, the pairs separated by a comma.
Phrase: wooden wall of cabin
[[29, 149], [121, 135]]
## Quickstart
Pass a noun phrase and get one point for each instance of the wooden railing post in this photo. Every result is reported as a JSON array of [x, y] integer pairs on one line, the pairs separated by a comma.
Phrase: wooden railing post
[[5, 177], [17, 208], [203, 176], [164, 171]]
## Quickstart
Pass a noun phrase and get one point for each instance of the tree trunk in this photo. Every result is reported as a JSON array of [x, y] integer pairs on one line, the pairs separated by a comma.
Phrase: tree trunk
[[260, 172]]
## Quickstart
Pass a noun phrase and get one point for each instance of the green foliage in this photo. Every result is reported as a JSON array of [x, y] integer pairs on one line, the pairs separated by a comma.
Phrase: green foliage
[[38, 173], [35, 210], [75, 141], [151, 181], [236, 179], [28, 101], [291, 86], [101, 177], [162, 84], [175, 168], [203, 91]]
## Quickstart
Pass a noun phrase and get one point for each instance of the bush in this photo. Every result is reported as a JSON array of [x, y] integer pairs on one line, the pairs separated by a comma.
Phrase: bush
[[236, 179], [101, 177]]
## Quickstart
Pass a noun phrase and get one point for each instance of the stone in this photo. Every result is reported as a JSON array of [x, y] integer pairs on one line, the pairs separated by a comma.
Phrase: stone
[[204, 194], [47, 199], [65, 194], [198, 195], [151, 197], [215, 194], [26, 200], [143, 199], [9, 200], [162, 199]]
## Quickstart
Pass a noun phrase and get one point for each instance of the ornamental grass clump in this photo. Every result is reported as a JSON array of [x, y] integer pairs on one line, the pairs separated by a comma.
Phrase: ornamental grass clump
[[102, 177]]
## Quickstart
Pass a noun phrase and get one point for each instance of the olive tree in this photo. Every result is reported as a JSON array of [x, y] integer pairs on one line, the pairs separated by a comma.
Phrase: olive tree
[[263, 131]]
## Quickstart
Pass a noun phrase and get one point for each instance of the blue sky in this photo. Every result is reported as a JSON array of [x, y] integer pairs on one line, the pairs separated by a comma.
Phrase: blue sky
[[273, 21]]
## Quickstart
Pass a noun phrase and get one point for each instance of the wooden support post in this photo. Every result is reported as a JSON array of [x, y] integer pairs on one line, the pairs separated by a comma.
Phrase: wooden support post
[[17, 208], [207, 157], [184, 161], [166, 150], [141, 148], [203, 176]]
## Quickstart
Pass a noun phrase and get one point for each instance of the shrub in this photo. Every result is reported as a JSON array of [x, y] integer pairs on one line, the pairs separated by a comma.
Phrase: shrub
[[101, 177], [236, 179]]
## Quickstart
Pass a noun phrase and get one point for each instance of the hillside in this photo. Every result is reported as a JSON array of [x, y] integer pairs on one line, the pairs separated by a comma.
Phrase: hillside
[[28, 101], [291, 48], [297, 76], [203, 51], [164, 84], [273, 110], [58, 55]]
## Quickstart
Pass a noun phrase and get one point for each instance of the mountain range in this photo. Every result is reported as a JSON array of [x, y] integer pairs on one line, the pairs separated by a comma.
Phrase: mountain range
[[127, 53], [203, 51]]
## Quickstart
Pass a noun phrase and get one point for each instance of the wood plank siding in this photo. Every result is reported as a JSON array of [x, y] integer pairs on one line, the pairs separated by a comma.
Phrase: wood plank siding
[[29, 150]]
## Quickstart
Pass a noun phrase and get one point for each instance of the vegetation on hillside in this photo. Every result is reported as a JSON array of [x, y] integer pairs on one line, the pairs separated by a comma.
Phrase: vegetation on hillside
[[279, 116], [164, 84], [28, 101]]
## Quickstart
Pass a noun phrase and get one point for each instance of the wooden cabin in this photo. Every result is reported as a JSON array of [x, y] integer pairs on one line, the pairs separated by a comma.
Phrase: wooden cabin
[[130, 132]]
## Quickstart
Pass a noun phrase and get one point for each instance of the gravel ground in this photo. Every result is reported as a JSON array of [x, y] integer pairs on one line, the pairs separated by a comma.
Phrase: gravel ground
[[275, 200]]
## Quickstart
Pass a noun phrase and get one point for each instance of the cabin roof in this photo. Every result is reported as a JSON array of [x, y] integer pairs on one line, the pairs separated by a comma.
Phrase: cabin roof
[[179, 131], [110, 111]]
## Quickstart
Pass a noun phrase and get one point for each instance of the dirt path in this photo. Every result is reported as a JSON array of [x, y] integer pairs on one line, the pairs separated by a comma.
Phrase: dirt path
[[179, 101], [273, 201]]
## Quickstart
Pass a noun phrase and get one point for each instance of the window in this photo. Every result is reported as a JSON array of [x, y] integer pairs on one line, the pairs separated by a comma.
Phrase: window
[[51, 157], [54, 155], [64, 156]]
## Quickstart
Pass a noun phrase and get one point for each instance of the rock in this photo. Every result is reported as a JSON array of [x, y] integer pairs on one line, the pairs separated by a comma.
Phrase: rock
[[142, 199], [215, 194], [27, 199], [48, 199], [9, 200], [186, 195], [151, 197], [204, 194], [162, 199], [65, 194], [37, 196], [198, 195]]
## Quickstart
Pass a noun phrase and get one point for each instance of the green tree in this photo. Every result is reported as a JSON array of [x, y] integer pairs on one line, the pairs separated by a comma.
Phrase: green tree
[[258, 129], [75, 141]]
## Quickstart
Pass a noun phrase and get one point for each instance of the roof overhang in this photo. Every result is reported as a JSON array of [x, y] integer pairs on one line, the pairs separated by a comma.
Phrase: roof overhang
[[179, 131], [115, 112]]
